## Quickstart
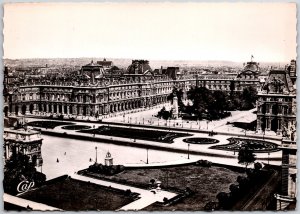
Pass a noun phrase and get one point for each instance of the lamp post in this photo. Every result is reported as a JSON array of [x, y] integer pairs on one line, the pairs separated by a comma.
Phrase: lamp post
[[147, 157], [96, 154], [188, 151]]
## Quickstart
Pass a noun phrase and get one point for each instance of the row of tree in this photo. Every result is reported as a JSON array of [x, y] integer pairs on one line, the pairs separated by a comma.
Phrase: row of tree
[[212, 105], [226, 200]]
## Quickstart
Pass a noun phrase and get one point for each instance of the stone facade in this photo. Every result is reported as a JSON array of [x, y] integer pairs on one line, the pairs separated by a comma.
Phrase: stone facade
[[276, 105], [95, 91], [27, 142]]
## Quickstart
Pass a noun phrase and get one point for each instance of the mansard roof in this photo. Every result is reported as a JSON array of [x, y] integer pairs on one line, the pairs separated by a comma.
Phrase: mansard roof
[[139, 67], [279, 81]]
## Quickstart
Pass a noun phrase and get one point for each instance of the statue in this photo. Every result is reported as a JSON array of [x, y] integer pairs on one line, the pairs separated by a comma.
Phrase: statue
[[293, 132], [285, 133], [277, 85]]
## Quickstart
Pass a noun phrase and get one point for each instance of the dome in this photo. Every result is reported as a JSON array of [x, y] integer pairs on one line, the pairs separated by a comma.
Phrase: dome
[[252, 66], [108, 155]]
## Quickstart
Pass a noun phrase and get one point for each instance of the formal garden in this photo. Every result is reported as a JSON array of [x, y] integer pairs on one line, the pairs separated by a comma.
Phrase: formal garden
[[134, 133], [74, 195], [196, 184], [257, 146], [48, 124]]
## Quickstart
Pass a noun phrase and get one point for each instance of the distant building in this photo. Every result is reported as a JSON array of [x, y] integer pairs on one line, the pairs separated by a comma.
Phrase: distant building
[[105, 64], [139, 67], [172, 72], [231, 82]]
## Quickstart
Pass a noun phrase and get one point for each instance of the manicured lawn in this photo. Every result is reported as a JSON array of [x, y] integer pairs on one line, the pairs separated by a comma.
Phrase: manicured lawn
[[70, 194], [48, 124], [159, 136], [206, 182]]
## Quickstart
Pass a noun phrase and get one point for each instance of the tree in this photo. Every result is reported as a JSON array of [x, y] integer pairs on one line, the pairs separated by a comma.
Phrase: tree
[[249, 97], [202, 99], [18, 168], [246, 156], [257, 166]]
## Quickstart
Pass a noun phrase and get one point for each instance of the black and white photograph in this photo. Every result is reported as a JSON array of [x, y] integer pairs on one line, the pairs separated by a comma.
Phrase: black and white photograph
[[149, 106]]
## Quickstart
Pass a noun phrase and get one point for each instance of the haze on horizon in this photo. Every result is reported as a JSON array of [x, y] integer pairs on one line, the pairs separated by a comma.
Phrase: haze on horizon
[[153, 31]]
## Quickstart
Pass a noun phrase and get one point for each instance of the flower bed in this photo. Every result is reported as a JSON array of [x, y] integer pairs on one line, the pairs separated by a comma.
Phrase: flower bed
[[48, 124], [134, 133], [258, 146], [199, 140], [76, 127]]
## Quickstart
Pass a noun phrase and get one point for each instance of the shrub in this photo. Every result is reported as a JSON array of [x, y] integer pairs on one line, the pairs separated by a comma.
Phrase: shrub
[[128, 192], [211, 206], [257, 166], [234, 190], [223, 199], [165, 200]]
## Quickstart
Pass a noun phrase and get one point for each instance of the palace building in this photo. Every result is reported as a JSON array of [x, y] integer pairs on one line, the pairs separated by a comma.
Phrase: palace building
[[247, 77], [27, 142], [100, 89], [276, 104]]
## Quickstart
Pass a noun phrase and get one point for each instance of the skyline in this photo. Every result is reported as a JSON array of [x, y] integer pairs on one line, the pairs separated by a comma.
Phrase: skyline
[[165, 31]]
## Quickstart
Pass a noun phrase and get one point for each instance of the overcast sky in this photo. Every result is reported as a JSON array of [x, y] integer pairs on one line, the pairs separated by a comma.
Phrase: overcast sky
[[163, 31]]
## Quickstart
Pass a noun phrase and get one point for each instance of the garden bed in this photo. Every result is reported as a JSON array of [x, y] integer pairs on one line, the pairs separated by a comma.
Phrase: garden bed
[[74, 195], [48, 124], [142, 134], [76, 127], [257, 146], [199, 140]]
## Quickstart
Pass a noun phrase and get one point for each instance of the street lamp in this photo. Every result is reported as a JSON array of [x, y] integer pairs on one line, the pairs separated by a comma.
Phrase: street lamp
[[147, 156], [96, 154]]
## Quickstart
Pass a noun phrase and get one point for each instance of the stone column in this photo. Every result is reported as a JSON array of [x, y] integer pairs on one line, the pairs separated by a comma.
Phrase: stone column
[[87, 110], [270, 108], [75, 109], [80, 110], [279, 127], [13, 110], [268, 124], [279, 109], [258, 125], [35, 108]]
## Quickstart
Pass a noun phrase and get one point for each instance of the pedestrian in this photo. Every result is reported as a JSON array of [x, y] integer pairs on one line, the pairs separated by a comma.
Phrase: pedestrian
[[57, 160], [65, 153]]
